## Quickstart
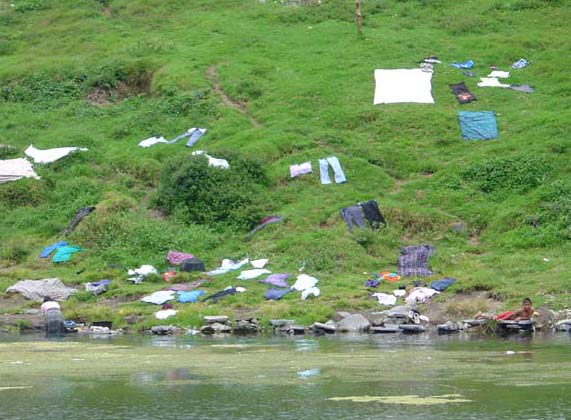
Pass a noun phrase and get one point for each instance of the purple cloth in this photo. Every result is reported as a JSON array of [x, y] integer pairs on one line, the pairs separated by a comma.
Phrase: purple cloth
[[278, 279], [372, 283], [276, 294], [175, 257], [413, 260], [301, 169]]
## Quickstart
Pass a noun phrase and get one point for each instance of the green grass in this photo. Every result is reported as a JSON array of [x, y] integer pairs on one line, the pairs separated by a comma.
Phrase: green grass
[[306, 77]]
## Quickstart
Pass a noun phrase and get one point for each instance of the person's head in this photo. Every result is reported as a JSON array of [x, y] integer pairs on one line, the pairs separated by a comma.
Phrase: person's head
[[47, 299], [526, 303]]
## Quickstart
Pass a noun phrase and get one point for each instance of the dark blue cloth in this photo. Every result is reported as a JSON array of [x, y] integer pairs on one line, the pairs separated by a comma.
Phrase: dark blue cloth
[[372, 283], [478, 125], [49, 249], [276, 294], [442, 284]]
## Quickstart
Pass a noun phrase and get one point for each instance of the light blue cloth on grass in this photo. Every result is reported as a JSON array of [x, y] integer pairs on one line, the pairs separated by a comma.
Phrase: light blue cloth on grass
[[191, 296], [478, 125], [64, 253], [48, 249]]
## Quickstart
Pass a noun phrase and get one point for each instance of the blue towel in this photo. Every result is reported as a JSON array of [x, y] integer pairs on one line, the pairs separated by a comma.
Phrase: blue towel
[[478, 125], [49, 249], [276, 294], [465, 65], [191, 296], [442, 284]]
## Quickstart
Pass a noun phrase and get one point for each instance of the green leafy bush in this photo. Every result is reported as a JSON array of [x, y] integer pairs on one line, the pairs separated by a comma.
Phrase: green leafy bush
[[209, 195], [513, 174]]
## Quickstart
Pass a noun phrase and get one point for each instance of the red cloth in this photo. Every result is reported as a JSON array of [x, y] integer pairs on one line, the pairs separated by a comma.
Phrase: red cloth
[[503, 316]]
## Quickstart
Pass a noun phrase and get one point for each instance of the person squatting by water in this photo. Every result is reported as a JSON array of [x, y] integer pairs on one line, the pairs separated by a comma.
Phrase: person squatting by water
[[524, 313], [53, 317]]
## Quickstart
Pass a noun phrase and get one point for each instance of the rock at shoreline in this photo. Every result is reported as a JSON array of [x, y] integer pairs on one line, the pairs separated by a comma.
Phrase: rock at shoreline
[[353, 323], [326, 328], [216, 328], [220, 319]]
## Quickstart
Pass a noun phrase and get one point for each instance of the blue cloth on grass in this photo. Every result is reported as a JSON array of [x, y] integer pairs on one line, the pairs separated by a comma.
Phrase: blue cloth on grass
[[49, 249], [191, 296], [442, 284], [64, 253], [465, 65], [276, 294], [478, 125]]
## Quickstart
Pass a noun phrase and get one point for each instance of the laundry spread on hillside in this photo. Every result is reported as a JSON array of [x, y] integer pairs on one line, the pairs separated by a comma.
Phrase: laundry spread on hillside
[[301, 169], [468, 64], [50, 155], [463, 95], [37, 290], [356, 215], [78, 217], [478, 125], [413, 260], [212, 161], [14, 169], [403, 85]]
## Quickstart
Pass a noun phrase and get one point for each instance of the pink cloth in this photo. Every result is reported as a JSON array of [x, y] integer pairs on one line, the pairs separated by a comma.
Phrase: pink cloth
[[175, 257], [301, 169], [46, 306]]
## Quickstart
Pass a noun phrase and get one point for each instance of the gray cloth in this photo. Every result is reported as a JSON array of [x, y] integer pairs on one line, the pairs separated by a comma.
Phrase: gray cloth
[[353, 214], [54, 322], [80, 214], [522, 88], [413, 260], [39, 289]]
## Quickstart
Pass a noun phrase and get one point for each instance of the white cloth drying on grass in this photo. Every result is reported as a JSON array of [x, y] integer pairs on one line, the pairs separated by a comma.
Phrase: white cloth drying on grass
[[227, 265], [403, 85], [252, 274], [306, 285], [309, 292], [166, 313], [385, 299], [14, 169], [212, 161], [499, 74], [137, 275], [399, 292], [50, 155], [491, 82], [261, 263], [160, 297], [421, 295], [152, 141]]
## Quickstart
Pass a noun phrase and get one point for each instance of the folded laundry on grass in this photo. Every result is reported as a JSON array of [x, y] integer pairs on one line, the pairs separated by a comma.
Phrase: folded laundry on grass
[[252, 274], [403, 85], [399, 292], [151, 141], [64, 253], [14, 169], [522, 88], [165, 313], [50, 155], [277, 279], [192, 264], [97, 287], [463, 95], [499, 74], [228, 265], [276, 294], [520, 64], [413, 260], [324, 164], [176, 257], [191, 296], [50, 248], [212, 161], [372, 283], [138, 275], [420, 295], [37, 290], [388, 276], [160, 297], [79, 215], [301, 169], [358, 213], [260, 263], [385, 299], [442, 284], [465, 65], [492, 82], [478, 125], [306, 285], [230, 290]]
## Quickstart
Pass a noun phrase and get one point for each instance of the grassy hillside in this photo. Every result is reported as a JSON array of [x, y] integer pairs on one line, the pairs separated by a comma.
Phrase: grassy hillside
[[277, 84]]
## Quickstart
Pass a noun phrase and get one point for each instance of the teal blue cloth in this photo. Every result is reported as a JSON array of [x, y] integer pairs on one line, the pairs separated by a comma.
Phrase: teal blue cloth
[[64, 253], [191, 296], [478, 125]]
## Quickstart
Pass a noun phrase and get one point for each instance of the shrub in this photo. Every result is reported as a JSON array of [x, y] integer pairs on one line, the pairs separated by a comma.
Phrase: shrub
[[209, 195], [513, 175]]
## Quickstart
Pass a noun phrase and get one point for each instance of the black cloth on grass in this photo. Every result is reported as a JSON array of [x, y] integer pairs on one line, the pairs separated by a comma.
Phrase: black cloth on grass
[[463, 95]]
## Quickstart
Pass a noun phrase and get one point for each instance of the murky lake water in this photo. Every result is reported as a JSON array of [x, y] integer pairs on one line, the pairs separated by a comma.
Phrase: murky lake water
[[344, 377]]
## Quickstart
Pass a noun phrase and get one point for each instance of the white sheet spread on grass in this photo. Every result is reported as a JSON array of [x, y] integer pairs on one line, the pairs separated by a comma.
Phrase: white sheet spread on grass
[[50, 155], [13, 169], [403, 85]]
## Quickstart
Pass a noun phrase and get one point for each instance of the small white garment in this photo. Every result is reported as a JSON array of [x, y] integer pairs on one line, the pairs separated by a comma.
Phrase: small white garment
[[137, 275], [240, 289], [152, 141], [385, 299], [261, 263], [50, 155], [399, 292], [252, 274], [304, 282], [491, 82], [421, 295], [166, 313], [227, 265], [311, 291], [499, 74], [160, 297], [14, 169], [403, 85], [212, 161]]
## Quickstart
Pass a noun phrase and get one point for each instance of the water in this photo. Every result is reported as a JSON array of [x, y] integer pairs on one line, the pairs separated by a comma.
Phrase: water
[[385, 377]]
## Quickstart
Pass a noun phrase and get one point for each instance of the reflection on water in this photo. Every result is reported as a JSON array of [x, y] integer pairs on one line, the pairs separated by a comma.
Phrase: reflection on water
[[417, 377]]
